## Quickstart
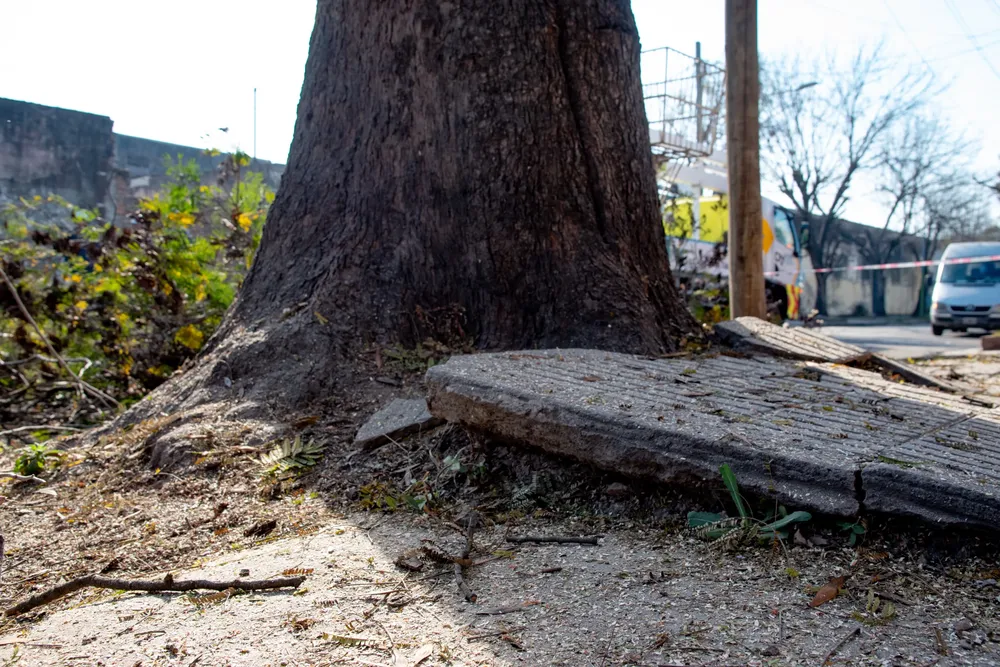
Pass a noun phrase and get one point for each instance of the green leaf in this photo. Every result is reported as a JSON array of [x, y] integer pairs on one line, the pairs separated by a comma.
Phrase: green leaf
[[698, 519], [794, 517], [729, 479]]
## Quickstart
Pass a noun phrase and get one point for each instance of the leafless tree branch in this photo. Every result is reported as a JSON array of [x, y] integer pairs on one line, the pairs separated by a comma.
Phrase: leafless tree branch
[[821, 127]]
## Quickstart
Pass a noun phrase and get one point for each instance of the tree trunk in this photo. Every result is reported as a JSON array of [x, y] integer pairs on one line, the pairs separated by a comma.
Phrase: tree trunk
[[820, 306], [878, 294], [476, 173]]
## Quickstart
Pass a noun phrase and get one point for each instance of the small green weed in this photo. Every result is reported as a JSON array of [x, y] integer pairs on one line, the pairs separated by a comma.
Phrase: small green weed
[[291, 456], [34, 459], [854, 529], [729, 532]]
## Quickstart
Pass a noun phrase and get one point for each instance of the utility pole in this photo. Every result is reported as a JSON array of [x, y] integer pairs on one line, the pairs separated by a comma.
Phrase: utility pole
[[746, 242]]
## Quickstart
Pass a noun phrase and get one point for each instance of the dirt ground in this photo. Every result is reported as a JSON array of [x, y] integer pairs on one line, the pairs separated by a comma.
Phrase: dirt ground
[[649, 593]]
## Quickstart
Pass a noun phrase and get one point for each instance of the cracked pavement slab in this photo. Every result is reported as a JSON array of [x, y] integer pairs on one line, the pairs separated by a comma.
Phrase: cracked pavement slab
[[822, 436]]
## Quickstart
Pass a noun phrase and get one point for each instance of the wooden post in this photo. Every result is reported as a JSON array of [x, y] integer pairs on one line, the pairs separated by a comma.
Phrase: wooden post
[[746, 261]]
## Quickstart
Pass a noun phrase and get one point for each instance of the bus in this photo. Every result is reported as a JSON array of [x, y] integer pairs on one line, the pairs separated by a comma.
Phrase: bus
[[697, 227]]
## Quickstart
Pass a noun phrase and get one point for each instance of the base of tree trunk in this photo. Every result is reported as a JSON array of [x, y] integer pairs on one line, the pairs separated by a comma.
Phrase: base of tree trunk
[[463, 177]]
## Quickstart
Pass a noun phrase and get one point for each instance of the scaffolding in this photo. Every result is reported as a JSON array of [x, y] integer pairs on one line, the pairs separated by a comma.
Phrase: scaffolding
[[684, 107]]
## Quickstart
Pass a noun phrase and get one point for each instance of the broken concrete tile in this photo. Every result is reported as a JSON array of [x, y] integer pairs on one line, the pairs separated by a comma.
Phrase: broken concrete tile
[[797, 343], [821, 440], [751, 333], [402, 417]]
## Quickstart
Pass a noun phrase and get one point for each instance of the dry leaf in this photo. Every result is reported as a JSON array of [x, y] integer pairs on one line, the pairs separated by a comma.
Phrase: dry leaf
[[828, 591], [421, 654]]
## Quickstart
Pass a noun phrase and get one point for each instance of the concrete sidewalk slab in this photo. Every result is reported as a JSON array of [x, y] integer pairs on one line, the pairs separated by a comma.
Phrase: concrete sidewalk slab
[[402, 417], [816, 436], [793, 343], [751, 333]]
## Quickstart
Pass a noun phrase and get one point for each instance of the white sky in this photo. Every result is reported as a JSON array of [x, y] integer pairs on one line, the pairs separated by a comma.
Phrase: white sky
[[178, 71]]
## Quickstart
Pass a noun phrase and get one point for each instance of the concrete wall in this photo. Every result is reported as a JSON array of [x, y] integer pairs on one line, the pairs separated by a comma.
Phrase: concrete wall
[[850, 292], [46, 150], [145, 162]]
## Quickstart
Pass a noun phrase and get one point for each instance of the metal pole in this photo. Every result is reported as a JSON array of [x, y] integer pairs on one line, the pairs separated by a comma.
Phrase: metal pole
[[746, 243], [663, 106], [698, 75]]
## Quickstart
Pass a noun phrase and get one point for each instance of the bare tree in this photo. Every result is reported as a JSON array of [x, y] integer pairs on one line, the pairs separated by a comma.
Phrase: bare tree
[[821, 127], [959, 210], [917, 157], [955, 208]]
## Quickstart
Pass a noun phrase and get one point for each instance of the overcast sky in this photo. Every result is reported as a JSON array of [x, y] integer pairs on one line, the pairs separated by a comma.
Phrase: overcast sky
[[179, 71]]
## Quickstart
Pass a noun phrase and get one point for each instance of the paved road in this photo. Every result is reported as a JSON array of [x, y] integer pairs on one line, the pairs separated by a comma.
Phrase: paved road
[[903, 341]]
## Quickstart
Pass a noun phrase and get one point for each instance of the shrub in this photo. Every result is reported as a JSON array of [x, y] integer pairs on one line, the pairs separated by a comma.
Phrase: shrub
[[126, 304]]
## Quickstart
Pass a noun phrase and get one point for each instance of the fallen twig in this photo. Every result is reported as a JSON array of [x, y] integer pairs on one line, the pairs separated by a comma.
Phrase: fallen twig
[[22, 478], [978, 401], [554, 540], [942, 645], [498, 633], [462, 586], [853, 633], [21, 429], [510, 609], [893, 598], [472, 521], [21, 642], [85, 387], [167, 584]]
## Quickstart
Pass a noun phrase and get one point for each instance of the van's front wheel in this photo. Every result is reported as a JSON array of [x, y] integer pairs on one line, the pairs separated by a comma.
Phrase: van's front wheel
[[936, 330]]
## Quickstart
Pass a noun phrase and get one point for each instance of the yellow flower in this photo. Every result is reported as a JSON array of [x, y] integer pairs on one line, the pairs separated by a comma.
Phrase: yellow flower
[[74, 278], [80, 305], [190, 337], [98, 268], [200, 292], [244, 222], [186, 219]]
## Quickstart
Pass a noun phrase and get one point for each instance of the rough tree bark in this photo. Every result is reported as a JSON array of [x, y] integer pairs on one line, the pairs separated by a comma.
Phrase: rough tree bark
[[475, 171]]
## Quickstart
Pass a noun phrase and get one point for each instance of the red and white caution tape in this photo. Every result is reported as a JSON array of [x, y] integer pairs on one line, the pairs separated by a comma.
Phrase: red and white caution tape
[[901, 265]]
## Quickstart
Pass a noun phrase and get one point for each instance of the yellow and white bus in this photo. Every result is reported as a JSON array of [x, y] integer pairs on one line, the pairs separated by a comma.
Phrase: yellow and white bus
[[697, 229]]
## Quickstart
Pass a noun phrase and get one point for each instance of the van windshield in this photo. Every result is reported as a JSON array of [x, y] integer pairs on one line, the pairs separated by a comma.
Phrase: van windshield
[[978, 273]]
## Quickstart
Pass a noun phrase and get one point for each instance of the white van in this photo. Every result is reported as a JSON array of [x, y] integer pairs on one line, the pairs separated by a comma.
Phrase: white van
[[967, 295]]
